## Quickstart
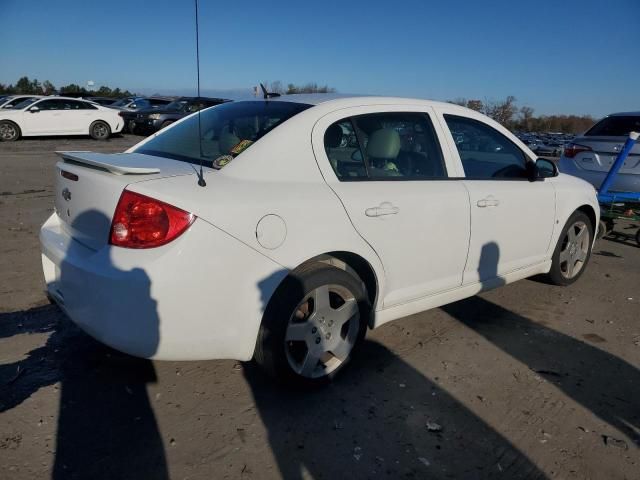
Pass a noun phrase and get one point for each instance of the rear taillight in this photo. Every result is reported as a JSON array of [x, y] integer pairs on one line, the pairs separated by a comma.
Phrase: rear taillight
[[143, 222], [573, 149]]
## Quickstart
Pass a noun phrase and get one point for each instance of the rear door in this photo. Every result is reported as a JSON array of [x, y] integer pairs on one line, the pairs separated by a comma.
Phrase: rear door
[[386, 165], [512, 219]]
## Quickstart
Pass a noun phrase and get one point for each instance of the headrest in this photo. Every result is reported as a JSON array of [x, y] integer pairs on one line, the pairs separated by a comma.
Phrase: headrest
[[333, 136], [227, 141], [384, 143]]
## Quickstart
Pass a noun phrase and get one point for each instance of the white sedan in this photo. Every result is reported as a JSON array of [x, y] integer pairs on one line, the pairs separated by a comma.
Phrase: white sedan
[[58, 116], [282, 229]]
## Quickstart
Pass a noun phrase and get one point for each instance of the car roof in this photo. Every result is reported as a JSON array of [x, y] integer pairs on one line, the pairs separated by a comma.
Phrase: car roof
[[57, 97], [352, 100], [624, 114]]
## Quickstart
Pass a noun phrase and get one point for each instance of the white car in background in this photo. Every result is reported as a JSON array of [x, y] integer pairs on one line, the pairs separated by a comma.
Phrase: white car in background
[[315, 218], [58, 116], [13, 100]]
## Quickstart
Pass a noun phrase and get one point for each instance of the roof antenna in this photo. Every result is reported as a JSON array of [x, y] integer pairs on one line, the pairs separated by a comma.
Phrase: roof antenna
[[201, 181], [268, 95]]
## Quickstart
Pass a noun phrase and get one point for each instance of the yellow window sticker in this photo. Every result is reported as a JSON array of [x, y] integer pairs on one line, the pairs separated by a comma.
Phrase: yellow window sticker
[[240, 147]]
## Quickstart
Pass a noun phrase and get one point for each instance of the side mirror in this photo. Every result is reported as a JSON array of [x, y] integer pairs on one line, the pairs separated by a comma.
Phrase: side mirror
[[545, 169], [34, 109]]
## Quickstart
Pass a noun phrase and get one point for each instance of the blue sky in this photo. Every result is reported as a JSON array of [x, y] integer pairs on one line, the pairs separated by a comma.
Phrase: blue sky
[[557, 56]]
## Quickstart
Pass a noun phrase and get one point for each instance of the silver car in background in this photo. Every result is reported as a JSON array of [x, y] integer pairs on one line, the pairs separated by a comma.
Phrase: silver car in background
[[591, 155]]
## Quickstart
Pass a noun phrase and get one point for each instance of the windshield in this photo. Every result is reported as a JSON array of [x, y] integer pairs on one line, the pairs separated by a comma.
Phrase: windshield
[[178, 105], [24, 103], [227, 130], [123, 102], [616, 126]]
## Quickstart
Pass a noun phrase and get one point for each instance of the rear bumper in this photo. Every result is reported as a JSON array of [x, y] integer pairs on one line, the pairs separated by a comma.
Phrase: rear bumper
[[199, 297], [623, 182]]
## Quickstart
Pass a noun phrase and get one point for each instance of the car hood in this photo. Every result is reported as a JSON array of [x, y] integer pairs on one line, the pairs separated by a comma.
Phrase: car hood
[[4, 113]]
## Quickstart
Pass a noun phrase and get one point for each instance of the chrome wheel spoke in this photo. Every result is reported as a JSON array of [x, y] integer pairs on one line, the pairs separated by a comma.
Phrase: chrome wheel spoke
[[342, 350], [346, 312], [309, 363], [565, 256], [570, 266], [321, 299], [572, 234], [581, 255]]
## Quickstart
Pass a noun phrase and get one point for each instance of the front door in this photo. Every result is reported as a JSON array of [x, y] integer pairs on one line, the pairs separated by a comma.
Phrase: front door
[[512, 219], [389, 171]]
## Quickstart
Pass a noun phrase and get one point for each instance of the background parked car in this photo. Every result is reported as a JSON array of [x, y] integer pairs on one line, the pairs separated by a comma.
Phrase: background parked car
[[591, 155], [104, 101], [13, 100], [130, 106], [58, 116], [151, 120]]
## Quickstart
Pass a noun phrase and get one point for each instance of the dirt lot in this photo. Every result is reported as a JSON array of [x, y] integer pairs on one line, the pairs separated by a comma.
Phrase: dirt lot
[[528, 381]]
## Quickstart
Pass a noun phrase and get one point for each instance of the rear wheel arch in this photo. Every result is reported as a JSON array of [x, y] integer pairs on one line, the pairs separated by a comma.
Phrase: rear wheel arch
[[353, 264]]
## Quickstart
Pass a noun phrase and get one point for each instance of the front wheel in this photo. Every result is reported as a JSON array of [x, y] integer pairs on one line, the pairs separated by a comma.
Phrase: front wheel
[[313, 325], [100, 130], [573, 250], [9, 131]]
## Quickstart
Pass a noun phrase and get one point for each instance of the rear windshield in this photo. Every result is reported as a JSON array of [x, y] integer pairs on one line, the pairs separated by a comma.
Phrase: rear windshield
[[227, 129], [618, 126]]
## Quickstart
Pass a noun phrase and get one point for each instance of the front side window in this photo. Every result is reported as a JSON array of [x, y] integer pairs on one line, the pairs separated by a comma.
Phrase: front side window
[[227, 130], [385, 146], [486, 153]]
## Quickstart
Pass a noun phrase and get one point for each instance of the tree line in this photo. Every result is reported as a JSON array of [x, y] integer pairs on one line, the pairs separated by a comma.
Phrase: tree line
[[290, 89], [27, 86], [522, 118]]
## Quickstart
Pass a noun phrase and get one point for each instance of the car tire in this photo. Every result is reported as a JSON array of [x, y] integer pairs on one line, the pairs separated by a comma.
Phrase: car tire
[[100, 130], [313, 325], [9, 131], [165, 124], [572, 251], [131, 126]]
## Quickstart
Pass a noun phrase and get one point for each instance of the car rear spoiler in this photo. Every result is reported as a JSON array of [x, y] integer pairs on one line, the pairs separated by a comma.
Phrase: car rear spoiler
[[118, 164]]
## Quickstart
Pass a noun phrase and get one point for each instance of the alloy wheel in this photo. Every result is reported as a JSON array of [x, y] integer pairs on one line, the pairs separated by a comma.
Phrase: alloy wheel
[[575, 249], [7, 131], [322, 331], [100, 130]]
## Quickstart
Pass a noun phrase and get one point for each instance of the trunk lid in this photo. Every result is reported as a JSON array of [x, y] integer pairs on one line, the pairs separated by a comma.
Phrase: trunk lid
[[605, 152], [88, 186]]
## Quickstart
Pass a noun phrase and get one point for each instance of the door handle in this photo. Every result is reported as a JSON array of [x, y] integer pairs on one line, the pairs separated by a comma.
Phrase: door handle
[[385, 208], [490, 201]]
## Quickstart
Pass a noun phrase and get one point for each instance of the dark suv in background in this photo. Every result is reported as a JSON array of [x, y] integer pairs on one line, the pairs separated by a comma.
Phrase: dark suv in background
[[130, 106], [151, 120]]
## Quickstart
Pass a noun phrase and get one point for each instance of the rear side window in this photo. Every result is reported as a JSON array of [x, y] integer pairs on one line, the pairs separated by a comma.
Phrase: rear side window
[[384, 146], [227, 130], [485, 152], [617, 126]]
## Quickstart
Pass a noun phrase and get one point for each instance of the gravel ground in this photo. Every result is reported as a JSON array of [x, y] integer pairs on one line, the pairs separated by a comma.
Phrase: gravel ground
[[528, 381]]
